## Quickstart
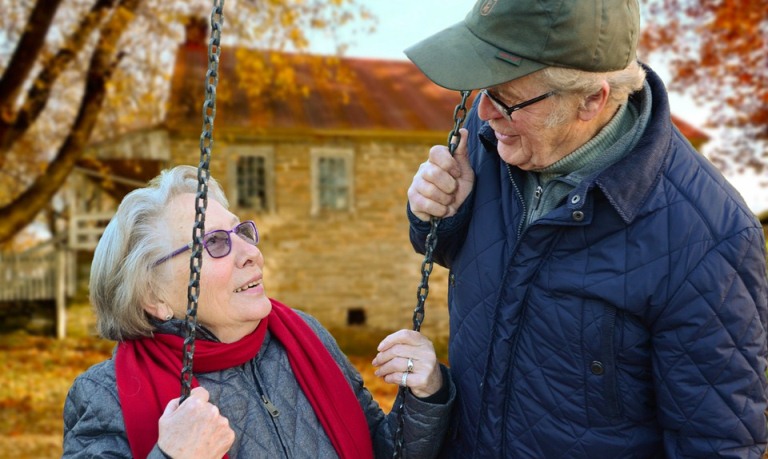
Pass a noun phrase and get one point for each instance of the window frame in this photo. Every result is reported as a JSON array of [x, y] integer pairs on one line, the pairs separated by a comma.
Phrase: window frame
[[235, 153], [347, 154]]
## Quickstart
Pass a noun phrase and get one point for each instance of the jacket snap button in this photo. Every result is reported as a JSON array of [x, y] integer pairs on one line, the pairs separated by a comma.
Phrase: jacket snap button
[[578, 215], [597, 368], [575, 199]]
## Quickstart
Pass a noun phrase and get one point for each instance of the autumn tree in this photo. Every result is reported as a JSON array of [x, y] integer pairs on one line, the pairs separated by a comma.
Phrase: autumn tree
[[717, 51], [78, 70]]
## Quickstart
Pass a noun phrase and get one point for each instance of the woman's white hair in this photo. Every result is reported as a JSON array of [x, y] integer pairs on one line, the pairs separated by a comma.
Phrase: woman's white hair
[[124, 277], [580, 83]]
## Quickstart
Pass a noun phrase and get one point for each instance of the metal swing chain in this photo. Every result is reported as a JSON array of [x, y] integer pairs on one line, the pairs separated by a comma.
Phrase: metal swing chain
[[201, 199], [201, 202], [459, 114]]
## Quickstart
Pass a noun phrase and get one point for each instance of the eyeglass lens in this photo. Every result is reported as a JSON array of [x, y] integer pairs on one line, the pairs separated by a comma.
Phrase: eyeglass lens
[[218, 243], [506, 111], [498, 106]]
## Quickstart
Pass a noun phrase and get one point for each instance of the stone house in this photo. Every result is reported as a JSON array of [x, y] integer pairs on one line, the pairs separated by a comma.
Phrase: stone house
[[324, 175]]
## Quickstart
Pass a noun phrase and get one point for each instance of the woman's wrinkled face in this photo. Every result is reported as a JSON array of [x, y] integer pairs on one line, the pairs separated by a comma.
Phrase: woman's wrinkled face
[[232, 298], [528, 141]]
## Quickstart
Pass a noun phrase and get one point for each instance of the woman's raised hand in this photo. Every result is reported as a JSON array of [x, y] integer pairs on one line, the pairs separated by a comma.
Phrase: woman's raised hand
[[408, 358]]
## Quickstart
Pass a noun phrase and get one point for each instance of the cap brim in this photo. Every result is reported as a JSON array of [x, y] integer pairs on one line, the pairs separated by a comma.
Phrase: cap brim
[[457, 59]]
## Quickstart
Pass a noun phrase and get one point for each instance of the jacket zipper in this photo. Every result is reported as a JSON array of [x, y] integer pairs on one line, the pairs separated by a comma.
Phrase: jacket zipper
[[273, 411], [537, 197], [522, 203], [537, 193], [271, 408], [524, 302]]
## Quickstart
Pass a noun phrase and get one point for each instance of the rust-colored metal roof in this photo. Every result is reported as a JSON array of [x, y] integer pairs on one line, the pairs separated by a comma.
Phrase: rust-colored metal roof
[[690, 132], [370, 95]]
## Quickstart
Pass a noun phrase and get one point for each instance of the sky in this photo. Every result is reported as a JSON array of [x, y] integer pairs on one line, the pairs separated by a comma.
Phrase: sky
[[402, 23]]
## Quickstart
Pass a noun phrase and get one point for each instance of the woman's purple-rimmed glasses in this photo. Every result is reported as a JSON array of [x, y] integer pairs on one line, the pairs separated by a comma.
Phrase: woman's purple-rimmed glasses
[[218, 243], [507, 110]]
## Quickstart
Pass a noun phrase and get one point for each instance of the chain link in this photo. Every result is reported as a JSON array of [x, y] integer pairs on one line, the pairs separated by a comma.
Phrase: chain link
[[454, 137], [201, 199], [201, 203]]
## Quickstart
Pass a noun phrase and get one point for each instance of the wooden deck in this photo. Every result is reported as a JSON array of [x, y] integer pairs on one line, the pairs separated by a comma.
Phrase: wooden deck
[[42, 273]]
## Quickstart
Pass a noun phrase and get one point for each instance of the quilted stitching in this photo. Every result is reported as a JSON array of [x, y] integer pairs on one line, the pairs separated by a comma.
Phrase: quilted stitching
[[687, 303], [92, 428]]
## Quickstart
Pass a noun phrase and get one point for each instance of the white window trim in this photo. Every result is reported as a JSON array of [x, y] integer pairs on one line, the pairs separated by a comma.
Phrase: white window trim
[[236, 152], [348, 155]]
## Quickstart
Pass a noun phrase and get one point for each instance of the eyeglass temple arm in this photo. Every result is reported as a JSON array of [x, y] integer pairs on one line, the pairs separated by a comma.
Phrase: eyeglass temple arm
[[174, 253]]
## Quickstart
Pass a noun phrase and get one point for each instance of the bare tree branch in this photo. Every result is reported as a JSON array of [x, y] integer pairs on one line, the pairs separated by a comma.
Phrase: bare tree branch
[[13, 127], [23, 210], [23, 58]]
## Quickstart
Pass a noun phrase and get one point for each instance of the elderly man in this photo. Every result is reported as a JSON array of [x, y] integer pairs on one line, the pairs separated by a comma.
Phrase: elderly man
[[607, 288]]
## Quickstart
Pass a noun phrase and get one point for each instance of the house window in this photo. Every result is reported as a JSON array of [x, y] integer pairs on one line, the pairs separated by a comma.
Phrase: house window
[[252, 178], [356, 316], [332, 179], [251, 182], [333, 186]]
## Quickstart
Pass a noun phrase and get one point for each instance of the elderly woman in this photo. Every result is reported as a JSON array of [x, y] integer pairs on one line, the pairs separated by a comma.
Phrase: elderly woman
[[269, 381]]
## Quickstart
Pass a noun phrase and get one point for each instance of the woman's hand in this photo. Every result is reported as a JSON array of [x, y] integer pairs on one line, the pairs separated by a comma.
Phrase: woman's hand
[[194, 429], [424, 377]]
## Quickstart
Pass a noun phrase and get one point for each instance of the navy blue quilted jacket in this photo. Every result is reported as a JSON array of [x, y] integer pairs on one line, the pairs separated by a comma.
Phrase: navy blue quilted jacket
[[630, 321]]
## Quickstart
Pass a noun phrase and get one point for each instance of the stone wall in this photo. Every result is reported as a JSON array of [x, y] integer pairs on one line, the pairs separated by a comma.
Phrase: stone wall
[[342, 267]]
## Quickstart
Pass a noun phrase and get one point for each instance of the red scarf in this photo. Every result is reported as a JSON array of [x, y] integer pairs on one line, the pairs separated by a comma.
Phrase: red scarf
[[148, 374]]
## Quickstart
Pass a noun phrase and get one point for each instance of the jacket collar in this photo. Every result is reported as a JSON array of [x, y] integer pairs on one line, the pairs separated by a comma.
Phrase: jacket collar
[[628, 183]]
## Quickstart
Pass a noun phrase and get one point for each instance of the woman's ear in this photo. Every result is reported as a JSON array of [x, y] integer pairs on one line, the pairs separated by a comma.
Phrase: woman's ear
[[594, 104], [159, 309]]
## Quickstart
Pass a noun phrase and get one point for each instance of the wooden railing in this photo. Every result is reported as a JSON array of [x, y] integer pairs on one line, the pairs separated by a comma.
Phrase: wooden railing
[[28, 276], [41, 273], [86, 229]]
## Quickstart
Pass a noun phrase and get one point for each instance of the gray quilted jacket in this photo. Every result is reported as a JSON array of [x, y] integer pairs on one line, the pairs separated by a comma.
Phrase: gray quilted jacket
[[93, 424]]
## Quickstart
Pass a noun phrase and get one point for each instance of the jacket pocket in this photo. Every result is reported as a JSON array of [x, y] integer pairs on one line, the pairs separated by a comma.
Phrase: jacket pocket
[[602, 378]]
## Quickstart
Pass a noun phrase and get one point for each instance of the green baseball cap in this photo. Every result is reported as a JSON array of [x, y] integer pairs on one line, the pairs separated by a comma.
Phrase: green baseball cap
[[502, 40]]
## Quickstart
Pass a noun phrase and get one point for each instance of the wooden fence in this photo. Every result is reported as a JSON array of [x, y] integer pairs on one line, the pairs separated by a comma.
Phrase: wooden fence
[[41, 273], [28, 277]]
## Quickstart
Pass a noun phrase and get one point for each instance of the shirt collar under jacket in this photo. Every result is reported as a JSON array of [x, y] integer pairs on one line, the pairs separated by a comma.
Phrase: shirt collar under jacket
[[642, 165]]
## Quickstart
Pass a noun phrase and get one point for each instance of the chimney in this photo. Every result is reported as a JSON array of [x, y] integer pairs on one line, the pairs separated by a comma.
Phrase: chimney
[[197, 32]]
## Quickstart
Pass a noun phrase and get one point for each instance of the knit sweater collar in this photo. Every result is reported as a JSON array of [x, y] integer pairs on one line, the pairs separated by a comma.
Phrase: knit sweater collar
[[597, 153]]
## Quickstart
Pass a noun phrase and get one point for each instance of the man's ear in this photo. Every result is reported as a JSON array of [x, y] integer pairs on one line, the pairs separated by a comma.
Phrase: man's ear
[[594, 104]]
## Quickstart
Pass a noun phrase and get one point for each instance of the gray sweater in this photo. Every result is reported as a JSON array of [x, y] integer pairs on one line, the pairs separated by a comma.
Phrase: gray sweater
[[93, 423]]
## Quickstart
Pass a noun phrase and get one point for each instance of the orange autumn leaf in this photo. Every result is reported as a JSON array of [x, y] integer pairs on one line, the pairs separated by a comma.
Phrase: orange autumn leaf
[[718, 54]]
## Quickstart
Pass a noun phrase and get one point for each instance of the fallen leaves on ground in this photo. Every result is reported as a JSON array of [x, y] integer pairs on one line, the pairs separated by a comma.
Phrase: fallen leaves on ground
[[38, 371]]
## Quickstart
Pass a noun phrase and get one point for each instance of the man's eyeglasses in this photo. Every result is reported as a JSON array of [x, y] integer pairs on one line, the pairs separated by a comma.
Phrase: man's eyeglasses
[[218, 243], [506, 110]]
